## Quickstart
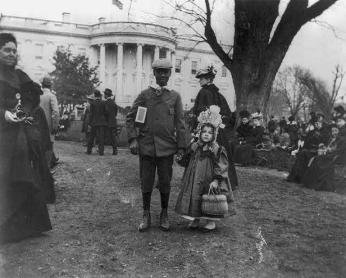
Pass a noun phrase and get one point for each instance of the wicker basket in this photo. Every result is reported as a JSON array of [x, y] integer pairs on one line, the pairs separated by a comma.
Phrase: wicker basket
[[214, 204]]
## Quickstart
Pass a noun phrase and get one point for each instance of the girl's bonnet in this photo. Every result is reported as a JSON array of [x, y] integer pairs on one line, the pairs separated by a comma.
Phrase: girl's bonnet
[[210, 116]]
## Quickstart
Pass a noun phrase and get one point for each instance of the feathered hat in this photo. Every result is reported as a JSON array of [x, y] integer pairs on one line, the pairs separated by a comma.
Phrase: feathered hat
[[257, 115], [209, 71], [210, 116]]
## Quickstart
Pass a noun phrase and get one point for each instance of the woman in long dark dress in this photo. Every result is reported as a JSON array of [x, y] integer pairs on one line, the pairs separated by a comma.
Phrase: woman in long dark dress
[[209, 95], [320, 172], [315, 136], [23, 180]]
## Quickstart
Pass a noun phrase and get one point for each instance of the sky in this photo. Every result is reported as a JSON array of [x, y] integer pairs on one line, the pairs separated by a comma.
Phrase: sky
[[315, 47]]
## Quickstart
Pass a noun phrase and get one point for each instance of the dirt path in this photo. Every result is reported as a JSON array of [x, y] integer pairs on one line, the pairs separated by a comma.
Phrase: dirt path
[[281, 229]]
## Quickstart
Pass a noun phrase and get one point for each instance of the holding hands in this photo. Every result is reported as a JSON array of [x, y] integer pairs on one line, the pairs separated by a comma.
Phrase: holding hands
[[134, 147]]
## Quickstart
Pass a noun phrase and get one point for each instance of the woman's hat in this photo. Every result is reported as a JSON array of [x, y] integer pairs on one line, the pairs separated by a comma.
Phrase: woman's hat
[[257, 115], [244, 114], [209, 71], [339, 109]]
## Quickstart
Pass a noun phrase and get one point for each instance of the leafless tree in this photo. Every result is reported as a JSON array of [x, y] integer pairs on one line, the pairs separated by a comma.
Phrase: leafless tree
[[322, 99], [288, 84], [261, 39]]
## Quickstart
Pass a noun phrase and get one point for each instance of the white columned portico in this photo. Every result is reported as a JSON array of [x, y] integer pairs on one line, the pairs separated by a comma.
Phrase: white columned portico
[[103, 65], [139, 66], [157, 53], [120, 55]]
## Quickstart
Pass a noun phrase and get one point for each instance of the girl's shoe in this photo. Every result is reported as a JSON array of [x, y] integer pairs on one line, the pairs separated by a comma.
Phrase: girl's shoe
[[194, 224], [210, 226]]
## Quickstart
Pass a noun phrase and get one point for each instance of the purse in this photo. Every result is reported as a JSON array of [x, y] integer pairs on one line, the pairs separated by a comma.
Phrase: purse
[[214, 204]]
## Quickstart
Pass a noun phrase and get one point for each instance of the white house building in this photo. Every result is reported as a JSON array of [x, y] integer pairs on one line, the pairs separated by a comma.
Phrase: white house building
[[123, 51]]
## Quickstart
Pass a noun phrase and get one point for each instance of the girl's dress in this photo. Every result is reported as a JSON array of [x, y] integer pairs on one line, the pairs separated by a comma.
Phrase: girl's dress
[[207, 162]]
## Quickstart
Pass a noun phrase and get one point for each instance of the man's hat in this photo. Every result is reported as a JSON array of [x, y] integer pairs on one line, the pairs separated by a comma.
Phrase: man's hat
[[47, 81], [108, 92], [209, 71], [162, 64], [97, 93]]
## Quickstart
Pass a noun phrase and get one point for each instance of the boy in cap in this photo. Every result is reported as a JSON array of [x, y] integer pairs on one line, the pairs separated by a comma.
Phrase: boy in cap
[[156, 130]]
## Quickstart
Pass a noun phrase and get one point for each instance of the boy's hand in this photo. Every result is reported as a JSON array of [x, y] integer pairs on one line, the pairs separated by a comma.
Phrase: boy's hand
[[134, 146]]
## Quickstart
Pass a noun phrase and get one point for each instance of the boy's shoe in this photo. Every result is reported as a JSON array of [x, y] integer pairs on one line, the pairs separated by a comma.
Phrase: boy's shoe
[[164, 224], [146, 222]]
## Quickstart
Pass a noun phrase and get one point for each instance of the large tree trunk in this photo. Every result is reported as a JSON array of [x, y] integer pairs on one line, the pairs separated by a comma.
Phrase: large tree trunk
[[258, 50]]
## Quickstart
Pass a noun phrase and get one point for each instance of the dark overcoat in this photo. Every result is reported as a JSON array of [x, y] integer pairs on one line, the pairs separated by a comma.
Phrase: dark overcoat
[[111, 113], [98, 113], [163, 131]]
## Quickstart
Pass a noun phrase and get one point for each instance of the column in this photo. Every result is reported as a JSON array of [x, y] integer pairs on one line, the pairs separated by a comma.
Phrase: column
[[120, 54], [169, 54], [157, 53], [139, 66], [92, 56], [103, 66], [172, 58]]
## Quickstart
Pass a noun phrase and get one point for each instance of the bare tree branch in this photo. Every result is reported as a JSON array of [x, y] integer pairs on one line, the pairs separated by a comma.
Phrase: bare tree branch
[[328, 27]]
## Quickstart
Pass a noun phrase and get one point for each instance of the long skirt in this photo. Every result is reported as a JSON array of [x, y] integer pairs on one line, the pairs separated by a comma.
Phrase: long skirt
[[300, 166], [320, 174]]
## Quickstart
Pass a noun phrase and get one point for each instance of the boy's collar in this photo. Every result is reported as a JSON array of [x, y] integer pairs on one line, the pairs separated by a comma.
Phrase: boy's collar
[[158, 89]]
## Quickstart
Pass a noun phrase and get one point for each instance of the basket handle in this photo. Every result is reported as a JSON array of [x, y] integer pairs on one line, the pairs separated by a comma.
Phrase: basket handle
[[211, 192]]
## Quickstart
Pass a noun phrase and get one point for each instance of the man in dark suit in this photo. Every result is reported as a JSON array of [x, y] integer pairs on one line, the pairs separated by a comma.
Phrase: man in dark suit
[[98, 123], [111, 116]]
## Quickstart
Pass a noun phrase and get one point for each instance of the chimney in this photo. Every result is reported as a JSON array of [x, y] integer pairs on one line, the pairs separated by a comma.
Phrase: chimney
[[102, 19], [66, 17]]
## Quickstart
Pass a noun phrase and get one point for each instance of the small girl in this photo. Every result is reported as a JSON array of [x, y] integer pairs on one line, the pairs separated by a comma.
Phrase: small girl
[[206, 169]]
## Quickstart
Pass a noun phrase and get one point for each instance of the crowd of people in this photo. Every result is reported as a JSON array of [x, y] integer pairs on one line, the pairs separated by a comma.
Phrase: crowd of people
[[158, 134], [319, 146]]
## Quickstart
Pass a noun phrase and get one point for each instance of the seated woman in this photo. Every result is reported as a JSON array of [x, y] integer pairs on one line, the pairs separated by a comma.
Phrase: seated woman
[[311, 143], [249, 136], [320, 172]]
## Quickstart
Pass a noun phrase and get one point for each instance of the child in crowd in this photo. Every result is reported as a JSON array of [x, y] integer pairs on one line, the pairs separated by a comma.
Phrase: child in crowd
[[207, 168]]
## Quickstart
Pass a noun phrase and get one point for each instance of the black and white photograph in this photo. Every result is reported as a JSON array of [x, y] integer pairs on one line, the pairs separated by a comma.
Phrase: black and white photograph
[[173, 139]]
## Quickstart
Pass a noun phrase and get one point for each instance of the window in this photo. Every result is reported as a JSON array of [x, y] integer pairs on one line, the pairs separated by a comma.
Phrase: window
[[38, 51], [223, 71], [82, 51], [178, 65], [162, 53], [193, 67]]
